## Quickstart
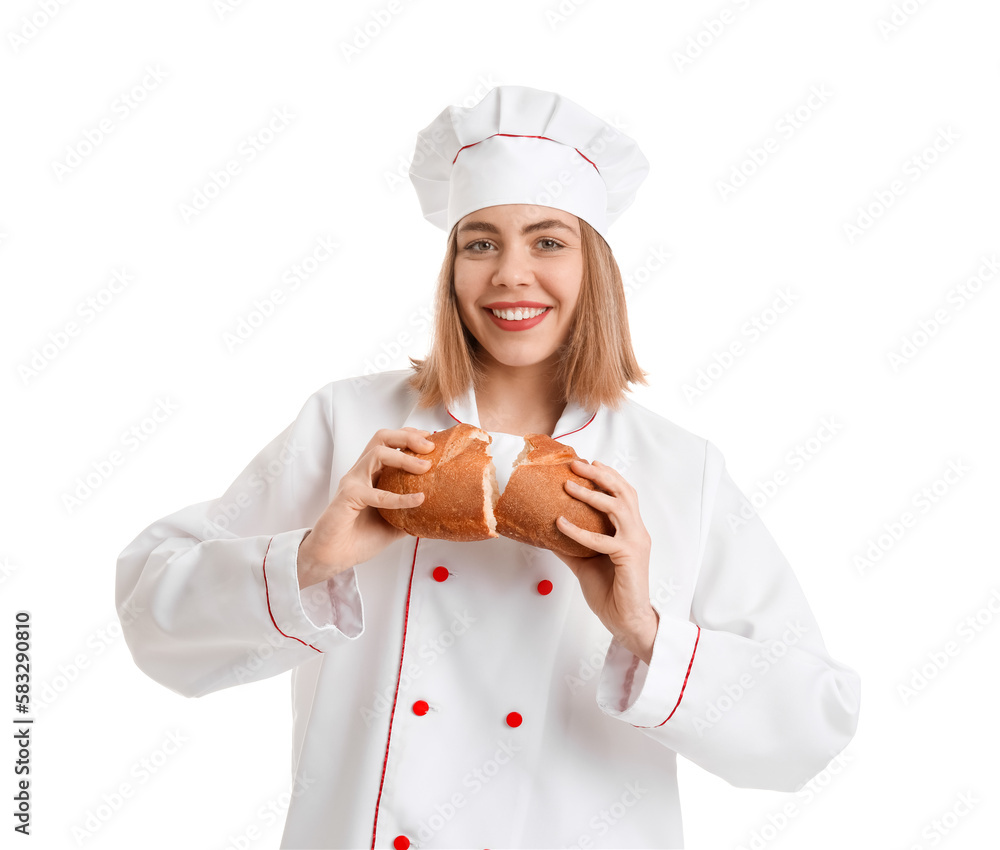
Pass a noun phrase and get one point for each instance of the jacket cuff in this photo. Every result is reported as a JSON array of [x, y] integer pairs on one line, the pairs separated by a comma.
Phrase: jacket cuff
[[648, 695], [315, 616]]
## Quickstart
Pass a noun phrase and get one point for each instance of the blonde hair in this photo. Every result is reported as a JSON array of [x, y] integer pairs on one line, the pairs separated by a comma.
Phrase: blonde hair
[[596, 363]]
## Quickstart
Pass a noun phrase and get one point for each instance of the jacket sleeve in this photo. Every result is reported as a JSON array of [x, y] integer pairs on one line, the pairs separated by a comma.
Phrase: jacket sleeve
[[208, 597], [745, 687]]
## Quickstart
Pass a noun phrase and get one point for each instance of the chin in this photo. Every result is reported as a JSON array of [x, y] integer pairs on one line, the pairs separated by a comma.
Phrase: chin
[[522, 358]]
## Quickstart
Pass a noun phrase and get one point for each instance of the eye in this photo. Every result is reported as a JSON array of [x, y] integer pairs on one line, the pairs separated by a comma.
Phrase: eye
[[549, 244], [475, 246]]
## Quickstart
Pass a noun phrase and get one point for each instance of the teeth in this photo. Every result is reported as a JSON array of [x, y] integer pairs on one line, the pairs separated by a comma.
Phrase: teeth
[[520, 313]]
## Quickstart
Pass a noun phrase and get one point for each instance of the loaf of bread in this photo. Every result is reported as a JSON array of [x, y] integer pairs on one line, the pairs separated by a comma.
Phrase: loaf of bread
[[462, 502], [460, 488], [535, 496]]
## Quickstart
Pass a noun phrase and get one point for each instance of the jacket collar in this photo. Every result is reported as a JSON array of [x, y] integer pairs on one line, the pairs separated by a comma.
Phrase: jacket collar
[[573, 418]]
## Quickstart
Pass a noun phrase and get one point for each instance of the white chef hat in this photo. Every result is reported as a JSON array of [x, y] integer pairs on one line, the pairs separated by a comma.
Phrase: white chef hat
[[519, 145]]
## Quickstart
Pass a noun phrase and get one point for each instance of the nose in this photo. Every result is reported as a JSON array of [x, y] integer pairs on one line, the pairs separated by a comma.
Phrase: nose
[[513, 268]]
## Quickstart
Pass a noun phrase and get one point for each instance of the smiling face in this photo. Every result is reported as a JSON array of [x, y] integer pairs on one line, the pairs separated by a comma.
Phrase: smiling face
[[518, 272]]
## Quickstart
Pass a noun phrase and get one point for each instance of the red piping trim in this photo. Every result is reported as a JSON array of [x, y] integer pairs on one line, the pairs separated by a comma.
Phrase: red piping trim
[[683, 686], [522, 136], [267, 596], [399, 675], [690, 663], [585, 424]]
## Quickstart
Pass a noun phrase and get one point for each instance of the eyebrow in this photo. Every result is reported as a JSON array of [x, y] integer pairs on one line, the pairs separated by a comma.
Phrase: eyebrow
[[547, 224]]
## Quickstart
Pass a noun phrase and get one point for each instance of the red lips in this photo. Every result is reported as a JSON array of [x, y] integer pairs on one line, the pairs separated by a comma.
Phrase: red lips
[[516, 324]]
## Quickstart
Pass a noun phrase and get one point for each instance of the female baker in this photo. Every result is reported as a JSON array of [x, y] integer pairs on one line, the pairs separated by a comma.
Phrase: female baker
[[482, 694]]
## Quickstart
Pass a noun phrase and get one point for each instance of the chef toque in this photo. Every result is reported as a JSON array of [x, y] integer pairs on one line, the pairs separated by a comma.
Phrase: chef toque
[[519, 145]]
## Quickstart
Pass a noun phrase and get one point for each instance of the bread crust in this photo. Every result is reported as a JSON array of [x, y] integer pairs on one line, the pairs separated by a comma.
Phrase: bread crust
[[535, 496], [459, 488]]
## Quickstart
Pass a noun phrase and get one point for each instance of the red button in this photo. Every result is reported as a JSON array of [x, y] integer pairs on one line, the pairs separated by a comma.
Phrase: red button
[[545, 587], [401, 842], [440, 573], [514, 719], [420, 707]]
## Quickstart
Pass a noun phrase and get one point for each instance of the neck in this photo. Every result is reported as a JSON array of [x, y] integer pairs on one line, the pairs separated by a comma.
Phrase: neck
[[519, 399]]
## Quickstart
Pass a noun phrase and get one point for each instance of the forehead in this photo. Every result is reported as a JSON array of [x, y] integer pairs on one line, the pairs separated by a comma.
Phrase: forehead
[[518, 217]]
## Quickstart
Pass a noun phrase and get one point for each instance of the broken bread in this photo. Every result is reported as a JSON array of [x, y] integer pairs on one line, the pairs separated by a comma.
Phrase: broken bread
[[535, 496], [460, 488], [462, 502]]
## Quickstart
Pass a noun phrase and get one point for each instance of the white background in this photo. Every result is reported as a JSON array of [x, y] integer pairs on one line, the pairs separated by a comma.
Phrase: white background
[[338, 170]]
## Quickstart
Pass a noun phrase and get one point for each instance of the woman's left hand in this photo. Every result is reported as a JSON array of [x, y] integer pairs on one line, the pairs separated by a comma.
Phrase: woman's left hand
[[615, 582]]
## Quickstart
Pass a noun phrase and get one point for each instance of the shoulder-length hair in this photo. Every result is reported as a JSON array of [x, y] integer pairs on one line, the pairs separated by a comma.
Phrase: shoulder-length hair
[[596, 363]]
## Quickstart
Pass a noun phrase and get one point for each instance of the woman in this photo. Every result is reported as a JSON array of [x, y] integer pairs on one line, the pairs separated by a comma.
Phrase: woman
[[481, 694]]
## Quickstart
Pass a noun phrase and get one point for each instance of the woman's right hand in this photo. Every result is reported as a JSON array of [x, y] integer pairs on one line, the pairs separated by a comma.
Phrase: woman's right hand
[[351, 530]]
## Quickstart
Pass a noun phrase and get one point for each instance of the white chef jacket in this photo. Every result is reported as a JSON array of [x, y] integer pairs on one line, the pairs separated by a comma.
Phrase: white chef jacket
[[409, 680]]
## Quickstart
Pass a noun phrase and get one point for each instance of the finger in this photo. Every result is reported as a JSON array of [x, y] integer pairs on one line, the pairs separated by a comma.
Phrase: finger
[[606, 477], [391, 501], [591, 539], [384, 456], [358, 494], [417, 440], [595, 498], [402, 438]]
